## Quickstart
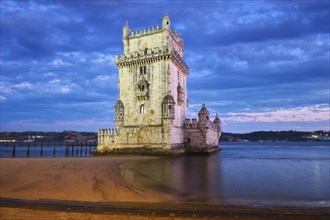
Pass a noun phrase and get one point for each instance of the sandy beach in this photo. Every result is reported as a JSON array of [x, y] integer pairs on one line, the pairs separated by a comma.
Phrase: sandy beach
[[94, 179], [92, 188]]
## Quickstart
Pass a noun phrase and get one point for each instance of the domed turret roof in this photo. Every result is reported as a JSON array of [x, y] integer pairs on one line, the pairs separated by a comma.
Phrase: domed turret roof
[[217, 119], [126, 25], [119, 103], [203, 111], [166, 16]]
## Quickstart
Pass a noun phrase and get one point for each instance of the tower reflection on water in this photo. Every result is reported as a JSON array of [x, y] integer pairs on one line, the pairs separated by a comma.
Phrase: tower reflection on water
[[274, 173], [181, 178]]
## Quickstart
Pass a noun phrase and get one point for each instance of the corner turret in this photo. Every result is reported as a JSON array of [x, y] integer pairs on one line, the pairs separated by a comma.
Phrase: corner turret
[[119, 114], [126, 31], [203, 114], [166, 22], [126, 35], [217, 122]]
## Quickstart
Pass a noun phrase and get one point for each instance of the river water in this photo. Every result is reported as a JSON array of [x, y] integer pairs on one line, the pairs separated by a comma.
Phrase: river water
[[44, 150], [258, 174]]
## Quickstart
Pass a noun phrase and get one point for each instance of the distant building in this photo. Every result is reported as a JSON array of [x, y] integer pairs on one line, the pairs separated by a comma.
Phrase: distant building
[[152, 106]]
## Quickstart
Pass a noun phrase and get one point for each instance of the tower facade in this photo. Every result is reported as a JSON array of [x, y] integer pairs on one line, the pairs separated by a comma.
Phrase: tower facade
[[152, 105]]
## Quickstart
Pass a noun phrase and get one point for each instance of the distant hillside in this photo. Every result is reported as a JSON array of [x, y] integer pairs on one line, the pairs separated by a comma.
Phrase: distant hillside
[[277, 136]]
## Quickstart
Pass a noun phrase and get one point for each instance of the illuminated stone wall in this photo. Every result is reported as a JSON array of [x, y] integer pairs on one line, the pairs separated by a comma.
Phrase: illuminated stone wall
[[152, 103]]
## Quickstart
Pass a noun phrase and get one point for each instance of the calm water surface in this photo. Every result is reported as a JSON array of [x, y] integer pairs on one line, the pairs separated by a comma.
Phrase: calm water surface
[[284, 174]]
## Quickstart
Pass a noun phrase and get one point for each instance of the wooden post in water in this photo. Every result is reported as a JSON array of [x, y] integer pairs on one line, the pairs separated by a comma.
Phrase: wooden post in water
[[28, 150], [77, 145], [81, 145], [72, 149], [54, 149], [14, 150], [67, 148], [41, 149]]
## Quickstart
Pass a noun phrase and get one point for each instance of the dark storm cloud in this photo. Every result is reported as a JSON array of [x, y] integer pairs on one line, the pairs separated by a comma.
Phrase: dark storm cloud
[[58, 66]]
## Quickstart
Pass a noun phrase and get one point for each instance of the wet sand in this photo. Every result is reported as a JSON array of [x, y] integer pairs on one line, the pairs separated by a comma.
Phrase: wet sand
[[95, 179], [92, 188]]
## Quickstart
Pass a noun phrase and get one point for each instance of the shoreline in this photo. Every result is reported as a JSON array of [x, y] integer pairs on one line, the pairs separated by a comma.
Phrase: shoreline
[[94, 186], [145, 210]]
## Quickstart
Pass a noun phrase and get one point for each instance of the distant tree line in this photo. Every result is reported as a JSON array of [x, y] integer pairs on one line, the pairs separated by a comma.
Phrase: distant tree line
[[39, 136], [78, 136], [277, 136]]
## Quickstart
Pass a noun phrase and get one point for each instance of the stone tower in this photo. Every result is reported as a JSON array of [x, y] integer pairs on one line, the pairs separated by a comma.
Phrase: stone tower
[[152, 105], [152, 102]]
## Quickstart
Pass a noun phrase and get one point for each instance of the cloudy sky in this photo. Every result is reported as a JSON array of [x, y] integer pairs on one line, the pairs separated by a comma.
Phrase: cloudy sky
[[263, 65]]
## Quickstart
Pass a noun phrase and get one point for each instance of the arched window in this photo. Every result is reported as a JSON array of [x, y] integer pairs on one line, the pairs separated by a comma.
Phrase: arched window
[[142, 109], [142, 90], [168, 107]]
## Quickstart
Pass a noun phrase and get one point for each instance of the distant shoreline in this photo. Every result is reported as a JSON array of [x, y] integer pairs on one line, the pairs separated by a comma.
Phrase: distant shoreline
[[88, 137]]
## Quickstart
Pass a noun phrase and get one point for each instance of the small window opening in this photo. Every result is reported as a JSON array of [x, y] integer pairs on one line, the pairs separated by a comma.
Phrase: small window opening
[[207, 117], [142, 109], [142, 88], [187, 140], [143, 70]]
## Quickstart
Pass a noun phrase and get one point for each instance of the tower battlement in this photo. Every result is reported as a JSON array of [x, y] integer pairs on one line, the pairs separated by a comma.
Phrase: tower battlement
[[153, 30], [151, 55], [106, 136], [145, 31], [195, 124]]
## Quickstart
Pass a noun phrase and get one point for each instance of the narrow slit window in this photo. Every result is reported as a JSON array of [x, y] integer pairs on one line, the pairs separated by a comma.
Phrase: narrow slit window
[[142, 109], [143, 70]]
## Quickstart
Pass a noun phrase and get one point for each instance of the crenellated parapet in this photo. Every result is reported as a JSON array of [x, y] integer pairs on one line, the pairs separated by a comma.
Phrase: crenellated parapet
[[130, 34], [152, 55], [106, 136], [200, 124], [145, 31]]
